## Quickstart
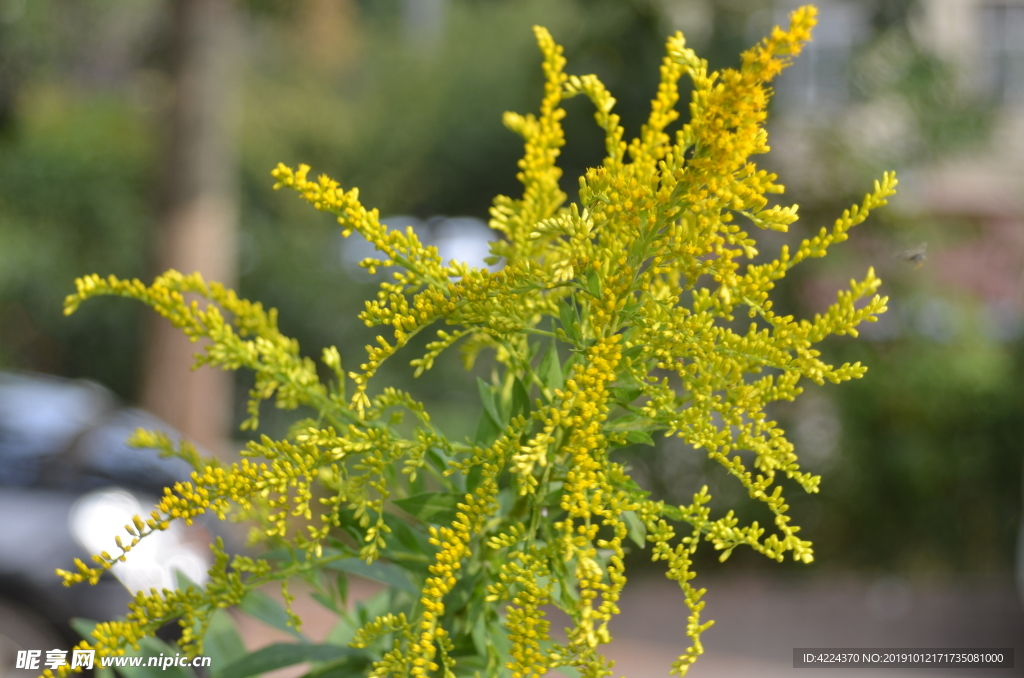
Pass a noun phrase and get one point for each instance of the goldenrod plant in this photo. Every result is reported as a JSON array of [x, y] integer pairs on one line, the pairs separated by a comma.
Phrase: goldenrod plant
[[610, 320]]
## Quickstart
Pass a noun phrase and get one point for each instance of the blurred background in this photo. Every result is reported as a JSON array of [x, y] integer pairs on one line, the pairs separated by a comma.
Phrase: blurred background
[[138, 135]]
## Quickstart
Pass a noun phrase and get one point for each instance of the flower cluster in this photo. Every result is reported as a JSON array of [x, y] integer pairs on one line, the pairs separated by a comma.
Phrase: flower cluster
[[613, 318]]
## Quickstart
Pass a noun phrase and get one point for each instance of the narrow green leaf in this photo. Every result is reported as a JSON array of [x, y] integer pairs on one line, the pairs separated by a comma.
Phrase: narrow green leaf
[[594, 283], [673, 512], [439, 459], [280, 655], [629, 310], [624, 482], [470, 666], [418, 482], [260, 606], [405, 540], [183, 583], [473, 478], [633, 351], [476, 610], [342, 584], [570, 361], [325, 600], [635, 528], [629, 422], [345, 667], [520, 398], [368, 610], [550, 370], [570, 319], [385, 573], [487, 398], [480, 635], [459, 597], [222, 643], [624, 395], [565, 588], [342, 632], [486, 431], [636, 252], [553, 499], [431, 507], [566, 314], [568, 671], [83, 627], [639, 438]]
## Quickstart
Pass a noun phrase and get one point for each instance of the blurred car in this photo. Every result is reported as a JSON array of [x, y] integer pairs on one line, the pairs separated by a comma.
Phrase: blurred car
[[69, 482]]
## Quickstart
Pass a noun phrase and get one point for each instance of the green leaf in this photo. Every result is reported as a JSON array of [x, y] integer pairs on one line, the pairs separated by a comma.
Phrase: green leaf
[[385, 573], [439, 459], [486, 431], [638, 252], [520, 398], [368, 610], [222, 643], [280, 655], [342, 583], [629, 310], [622, 481], [565, 590], [183, 583], [629, 422], [566, 314], [594, 283], [431, 507], [570, 319], [553, 499], [346, 667], [470, 666], [477, 609], [418, 482], [406, 542], [624, 395], [570, 361], [673, 512], [325, 599], [342, 632], [350, 524], [635, 528], [633, 351], [639, 438], [83, 627], [480, 635], [568, 671], [260, 606], [487, 398], [550, 370], [461, 594]]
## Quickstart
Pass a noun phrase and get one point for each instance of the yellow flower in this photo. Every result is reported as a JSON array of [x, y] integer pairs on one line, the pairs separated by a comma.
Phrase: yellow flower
[[612, 319]]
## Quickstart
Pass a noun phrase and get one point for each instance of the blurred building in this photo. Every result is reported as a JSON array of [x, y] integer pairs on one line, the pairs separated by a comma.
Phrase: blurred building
[[865, 97], [937, 93]]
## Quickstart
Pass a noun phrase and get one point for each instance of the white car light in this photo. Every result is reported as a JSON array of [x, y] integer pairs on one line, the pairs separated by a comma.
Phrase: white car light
[[97, 517]]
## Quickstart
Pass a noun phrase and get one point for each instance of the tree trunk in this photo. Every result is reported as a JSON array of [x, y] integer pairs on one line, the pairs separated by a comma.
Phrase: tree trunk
[[200, 216]]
